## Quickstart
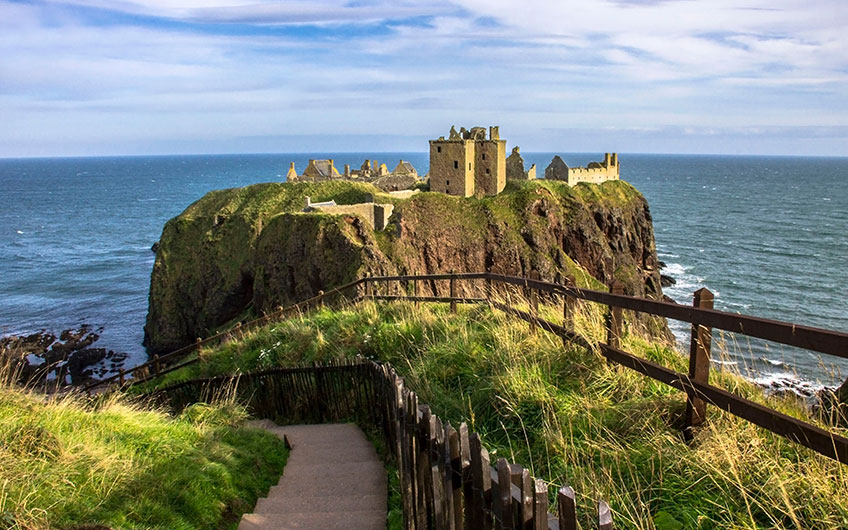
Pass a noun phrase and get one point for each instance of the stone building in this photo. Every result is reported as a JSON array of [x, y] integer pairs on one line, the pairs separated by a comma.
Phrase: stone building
[[370, 171], [405, 169], [595, 172], [515, 167], [467, 163]]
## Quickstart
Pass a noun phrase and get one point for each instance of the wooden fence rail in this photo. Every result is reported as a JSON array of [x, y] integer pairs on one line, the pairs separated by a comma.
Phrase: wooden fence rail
[[700, 315], [447, 479]]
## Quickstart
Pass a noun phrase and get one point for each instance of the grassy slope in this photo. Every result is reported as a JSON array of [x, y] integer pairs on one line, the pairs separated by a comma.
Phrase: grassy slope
[[572, 417], [66, 463]]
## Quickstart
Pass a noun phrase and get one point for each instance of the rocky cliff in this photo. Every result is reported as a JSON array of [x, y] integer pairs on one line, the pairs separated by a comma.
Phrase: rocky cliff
[[243, 251]]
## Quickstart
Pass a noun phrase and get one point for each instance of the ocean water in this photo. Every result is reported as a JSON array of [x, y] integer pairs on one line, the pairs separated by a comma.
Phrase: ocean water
[[766, 234]]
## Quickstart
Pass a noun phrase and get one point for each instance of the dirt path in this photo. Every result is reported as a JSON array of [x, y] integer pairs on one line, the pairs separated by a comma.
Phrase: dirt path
[[333, 479]]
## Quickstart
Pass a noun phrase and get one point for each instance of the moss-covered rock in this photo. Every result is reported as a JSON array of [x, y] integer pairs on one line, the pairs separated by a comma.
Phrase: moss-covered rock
[[250, 248]]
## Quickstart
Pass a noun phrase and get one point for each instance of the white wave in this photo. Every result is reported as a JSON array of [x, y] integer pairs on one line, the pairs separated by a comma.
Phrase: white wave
[[20, 232], [675, 269], [783, 382], [773, 362], [724, 363]]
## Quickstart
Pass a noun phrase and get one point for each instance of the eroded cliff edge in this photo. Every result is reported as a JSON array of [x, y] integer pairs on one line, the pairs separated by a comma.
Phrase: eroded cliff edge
[[243, 251]]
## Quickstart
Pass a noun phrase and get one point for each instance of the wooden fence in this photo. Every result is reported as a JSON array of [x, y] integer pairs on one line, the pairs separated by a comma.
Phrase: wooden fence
[[700, 315], [447, 479]]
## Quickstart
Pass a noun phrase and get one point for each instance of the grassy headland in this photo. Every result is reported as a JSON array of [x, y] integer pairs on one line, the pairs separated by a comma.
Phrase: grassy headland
[[569, 415], [72, 464]]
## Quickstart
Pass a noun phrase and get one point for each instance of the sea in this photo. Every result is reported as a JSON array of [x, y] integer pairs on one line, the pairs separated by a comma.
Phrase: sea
[[767, 235]]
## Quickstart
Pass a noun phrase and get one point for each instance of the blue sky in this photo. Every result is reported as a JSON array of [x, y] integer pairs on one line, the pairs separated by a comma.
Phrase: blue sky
[[97, 77]]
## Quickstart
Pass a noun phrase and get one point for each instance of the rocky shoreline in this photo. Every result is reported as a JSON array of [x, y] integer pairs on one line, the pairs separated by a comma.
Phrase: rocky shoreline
[[44, 359]]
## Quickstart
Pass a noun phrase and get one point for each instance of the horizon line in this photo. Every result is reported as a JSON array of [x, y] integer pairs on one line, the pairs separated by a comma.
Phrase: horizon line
[[266, 153]]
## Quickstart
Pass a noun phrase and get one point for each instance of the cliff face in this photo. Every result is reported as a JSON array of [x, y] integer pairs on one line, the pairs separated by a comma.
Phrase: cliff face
[[247, 249]]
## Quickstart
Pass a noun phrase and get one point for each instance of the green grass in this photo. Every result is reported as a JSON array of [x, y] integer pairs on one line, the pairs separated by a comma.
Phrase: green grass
[[70, 463], [570, 416]]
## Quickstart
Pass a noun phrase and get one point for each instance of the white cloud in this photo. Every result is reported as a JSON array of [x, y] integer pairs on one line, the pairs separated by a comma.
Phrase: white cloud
[[531, 65]]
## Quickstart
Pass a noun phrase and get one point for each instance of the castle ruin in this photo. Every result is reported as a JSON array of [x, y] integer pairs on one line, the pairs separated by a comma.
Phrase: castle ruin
[[595, 172], [515, 167], [375, 215], [467, 163]]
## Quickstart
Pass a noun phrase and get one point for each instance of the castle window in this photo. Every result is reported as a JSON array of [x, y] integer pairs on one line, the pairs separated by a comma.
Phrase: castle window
[[484, 157], [438, 148], [456, 164], [487, 171], [447, 183], [469, 166]]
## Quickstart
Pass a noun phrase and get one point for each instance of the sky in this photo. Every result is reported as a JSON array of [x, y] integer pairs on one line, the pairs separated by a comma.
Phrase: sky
[[124, 77]]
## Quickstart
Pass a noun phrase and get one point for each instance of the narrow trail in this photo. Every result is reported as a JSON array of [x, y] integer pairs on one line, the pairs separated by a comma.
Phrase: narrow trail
[[333, 479]]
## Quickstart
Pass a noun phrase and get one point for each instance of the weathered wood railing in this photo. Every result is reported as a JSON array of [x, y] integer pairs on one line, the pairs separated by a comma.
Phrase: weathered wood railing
[[447, 480], [701, 315], [703, 319]]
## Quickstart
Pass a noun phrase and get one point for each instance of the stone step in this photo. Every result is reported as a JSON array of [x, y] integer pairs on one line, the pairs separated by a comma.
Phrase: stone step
[[317, 504], [363, 520], [346, 454], [333, 479], [331, 470], [340, 486]]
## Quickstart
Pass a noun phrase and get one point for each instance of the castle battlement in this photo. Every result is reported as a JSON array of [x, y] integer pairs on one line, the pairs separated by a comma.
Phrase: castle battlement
[[468, 162], [594, 172]]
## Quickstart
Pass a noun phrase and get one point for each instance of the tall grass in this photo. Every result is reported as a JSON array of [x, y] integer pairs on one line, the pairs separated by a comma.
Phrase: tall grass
[[67, 462], [569, 415]]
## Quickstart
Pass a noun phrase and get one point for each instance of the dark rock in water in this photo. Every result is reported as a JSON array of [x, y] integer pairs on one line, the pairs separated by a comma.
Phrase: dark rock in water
[[69, 354], [155, 247], [662, 264], [832, 404], [667, 281], [669, 299]]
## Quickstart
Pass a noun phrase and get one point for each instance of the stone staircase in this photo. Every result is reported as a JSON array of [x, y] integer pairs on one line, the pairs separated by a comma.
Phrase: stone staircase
[[333, 479]]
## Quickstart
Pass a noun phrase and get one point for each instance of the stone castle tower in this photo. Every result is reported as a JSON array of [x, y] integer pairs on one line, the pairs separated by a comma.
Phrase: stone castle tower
[[467, 163]]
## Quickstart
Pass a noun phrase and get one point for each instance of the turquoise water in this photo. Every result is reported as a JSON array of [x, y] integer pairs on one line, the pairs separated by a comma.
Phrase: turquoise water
[[766, 234]]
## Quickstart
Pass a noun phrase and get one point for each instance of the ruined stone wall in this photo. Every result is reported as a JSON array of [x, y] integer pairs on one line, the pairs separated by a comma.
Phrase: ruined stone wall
[[452, 167], [376, 215], [591, 175], [596, 172], [382, 212]]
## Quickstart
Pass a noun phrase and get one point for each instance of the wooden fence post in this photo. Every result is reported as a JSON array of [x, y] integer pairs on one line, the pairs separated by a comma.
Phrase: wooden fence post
[[604, 516], [122, 373], [540, 506], [415, 292], [568, 303], [435, 445], [615, 319], [156, 364], [479, 515], [467, 479], [699, 361], [504, 500], [534, 301], [528, 493], [320, 299], [566, 509], [453, 292]]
